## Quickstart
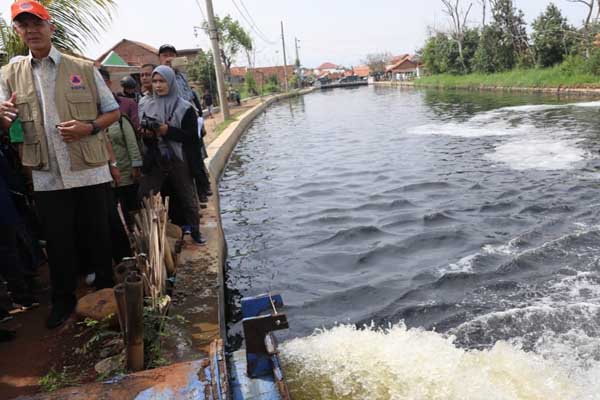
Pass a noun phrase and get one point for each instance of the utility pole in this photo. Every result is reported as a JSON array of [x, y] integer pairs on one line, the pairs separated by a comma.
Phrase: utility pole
[[214, 39], [297, 54], [284, 59], [298, 64]]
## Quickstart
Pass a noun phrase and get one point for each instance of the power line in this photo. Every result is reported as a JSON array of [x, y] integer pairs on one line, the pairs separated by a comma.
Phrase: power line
[[201, 10], [257, 31], [252, 19]]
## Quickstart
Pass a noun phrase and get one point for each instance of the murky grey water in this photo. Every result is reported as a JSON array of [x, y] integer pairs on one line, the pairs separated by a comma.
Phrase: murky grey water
[[471, 214]]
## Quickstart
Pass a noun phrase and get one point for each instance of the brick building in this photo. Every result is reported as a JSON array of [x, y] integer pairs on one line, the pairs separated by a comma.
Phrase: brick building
[[127, 56]]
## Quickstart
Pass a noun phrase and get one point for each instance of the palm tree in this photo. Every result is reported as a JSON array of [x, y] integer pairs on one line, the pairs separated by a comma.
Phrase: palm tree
[[77, 22]]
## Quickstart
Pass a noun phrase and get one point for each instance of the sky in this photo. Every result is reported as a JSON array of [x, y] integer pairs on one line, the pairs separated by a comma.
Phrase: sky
[[342, 32]]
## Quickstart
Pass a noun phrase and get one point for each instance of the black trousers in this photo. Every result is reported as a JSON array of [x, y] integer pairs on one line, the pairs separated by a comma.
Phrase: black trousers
[[202, 181], [128, 197], [76, 222], [121, 247], [10, 267], [177, 173]]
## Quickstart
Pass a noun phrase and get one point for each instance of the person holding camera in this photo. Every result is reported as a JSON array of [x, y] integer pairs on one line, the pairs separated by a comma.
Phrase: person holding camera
[[168, 123]]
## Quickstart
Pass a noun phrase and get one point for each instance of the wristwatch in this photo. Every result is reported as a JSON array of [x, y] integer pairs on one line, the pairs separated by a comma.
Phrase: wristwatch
[[95, 128]]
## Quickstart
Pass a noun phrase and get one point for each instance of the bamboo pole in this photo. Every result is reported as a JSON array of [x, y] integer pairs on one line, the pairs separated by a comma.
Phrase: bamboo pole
[[121, 309], [134, 296]]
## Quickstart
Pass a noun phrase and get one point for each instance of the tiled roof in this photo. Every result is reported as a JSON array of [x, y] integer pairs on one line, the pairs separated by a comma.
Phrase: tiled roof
[[407, 58], [327, 65], [361, 70]]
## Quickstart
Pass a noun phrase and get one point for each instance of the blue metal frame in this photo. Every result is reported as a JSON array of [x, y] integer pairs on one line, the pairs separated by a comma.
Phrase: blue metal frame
[[259, 364], [253, 306]]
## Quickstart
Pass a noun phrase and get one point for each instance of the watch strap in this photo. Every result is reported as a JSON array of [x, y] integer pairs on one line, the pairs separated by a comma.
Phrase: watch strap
[[95, 128]]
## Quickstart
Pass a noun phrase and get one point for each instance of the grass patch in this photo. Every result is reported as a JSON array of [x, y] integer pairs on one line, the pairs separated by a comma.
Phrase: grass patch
[[55, 380], [535, 78], [223, 125]]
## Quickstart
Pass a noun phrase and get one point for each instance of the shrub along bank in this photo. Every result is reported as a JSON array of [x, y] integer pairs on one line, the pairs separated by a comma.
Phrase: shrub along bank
[[554, 77]]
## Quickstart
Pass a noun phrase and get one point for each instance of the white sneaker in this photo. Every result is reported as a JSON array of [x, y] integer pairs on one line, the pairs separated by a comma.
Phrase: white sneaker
[[90, 278]]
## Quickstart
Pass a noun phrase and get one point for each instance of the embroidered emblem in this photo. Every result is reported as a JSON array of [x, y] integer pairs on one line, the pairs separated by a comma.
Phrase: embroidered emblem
[[76, 80], [26, 6]]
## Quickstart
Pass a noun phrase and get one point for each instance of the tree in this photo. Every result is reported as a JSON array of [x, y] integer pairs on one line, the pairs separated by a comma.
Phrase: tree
[[483, 11], [553, 37], [233, 38], [486, 59], [589, 4], [458, 18], [503, 43], [377, 62], [440, 54], [77, 22], [202, 70], [251, 87]]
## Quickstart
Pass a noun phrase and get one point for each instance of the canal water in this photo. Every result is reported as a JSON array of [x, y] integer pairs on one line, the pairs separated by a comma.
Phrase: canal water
[[428, 244]]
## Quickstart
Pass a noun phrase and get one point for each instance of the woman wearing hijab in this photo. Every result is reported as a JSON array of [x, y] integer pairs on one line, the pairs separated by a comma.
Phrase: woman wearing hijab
[[169, 124]]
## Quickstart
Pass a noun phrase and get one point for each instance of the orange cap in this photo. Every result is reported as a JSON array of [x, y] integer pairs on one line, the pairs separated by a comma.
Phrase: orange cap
[[28, 6]]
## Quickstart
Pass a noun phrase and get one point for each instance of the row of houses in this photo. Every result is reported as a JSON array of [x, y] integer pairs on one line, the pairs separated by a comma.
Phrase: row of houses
[[127, 56]]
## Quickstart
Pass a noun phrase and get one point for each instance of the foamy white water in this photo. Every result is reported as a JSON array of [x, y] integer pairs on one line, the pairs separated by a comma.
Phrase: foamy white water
[[542, 154], [399, 363], [470, 130], [536, 148]]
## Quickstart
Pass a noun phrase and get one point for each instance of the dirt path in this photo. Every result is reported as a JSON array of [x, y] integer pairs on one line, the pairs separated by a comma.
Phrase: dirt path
[[212, 123]]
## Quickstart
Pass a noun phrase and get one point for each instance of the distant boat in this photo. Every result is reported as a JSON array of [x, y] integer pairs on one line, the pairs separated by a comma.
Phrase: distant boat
[[347, 81]]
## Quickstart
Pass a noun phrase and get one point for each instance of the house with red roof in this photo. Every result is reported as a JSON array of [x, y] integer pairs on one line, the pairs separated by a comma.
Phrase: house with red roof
[[407, 68], [328, 67]]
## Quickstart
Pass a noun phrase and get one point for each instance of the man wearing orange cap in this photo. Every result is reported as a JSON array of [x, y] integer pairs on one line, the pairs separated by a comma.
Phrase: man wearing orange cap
[[64, 107]]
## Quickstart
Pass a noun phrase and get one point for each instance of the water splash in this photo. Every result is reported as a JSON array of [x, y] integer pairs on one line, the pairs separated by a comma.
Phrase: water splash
[[345, 362], [541, 154]]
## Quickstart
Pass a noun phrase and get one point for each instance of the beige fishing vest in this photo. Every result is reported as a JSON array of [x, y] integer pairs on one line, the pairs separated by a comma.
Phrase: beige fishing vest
[[76, 99]]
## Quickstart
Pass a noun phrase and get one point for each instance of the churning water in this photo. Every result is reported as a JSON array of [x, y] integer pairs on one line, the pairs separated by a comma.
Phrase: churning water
[[428, 245]]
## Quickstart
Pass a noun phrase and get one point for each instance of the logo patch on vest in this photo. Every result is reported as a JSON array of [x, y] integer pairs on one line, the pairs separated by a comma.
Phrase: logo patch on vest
[[76, 82]]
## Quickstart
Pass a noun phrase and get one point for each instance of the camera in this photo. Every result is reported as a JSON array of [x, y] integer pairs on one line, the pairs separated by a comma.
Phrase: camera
[[149, 124]]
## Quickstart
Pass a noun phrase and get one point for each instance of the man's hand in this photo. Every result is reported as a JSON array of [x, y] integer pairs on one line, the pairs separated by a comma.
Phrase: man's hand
[[8, 110], [116, 175], [72, 131], [164, 128]]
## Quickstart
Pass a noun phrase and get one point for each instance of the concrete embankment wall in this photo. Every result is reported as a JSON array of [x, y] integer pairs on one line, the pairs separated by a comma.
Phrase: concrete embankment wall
[[562, 91]]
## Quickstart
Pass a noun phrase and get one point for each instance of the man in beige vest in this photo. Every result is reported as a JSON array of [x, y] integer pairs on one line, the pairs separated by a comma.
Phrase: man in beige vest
[[64, 107]]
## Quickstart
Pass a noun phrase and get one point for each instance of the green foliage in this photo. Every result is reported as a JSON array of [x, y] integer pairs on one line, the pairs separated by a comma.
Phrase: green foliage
[[553, 38], [250, 86], [202, 70], [100, 331], [77, 22], [156, 327], [294, 81], [441, 54], [553, 77], [55, 380], [233, 38]]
